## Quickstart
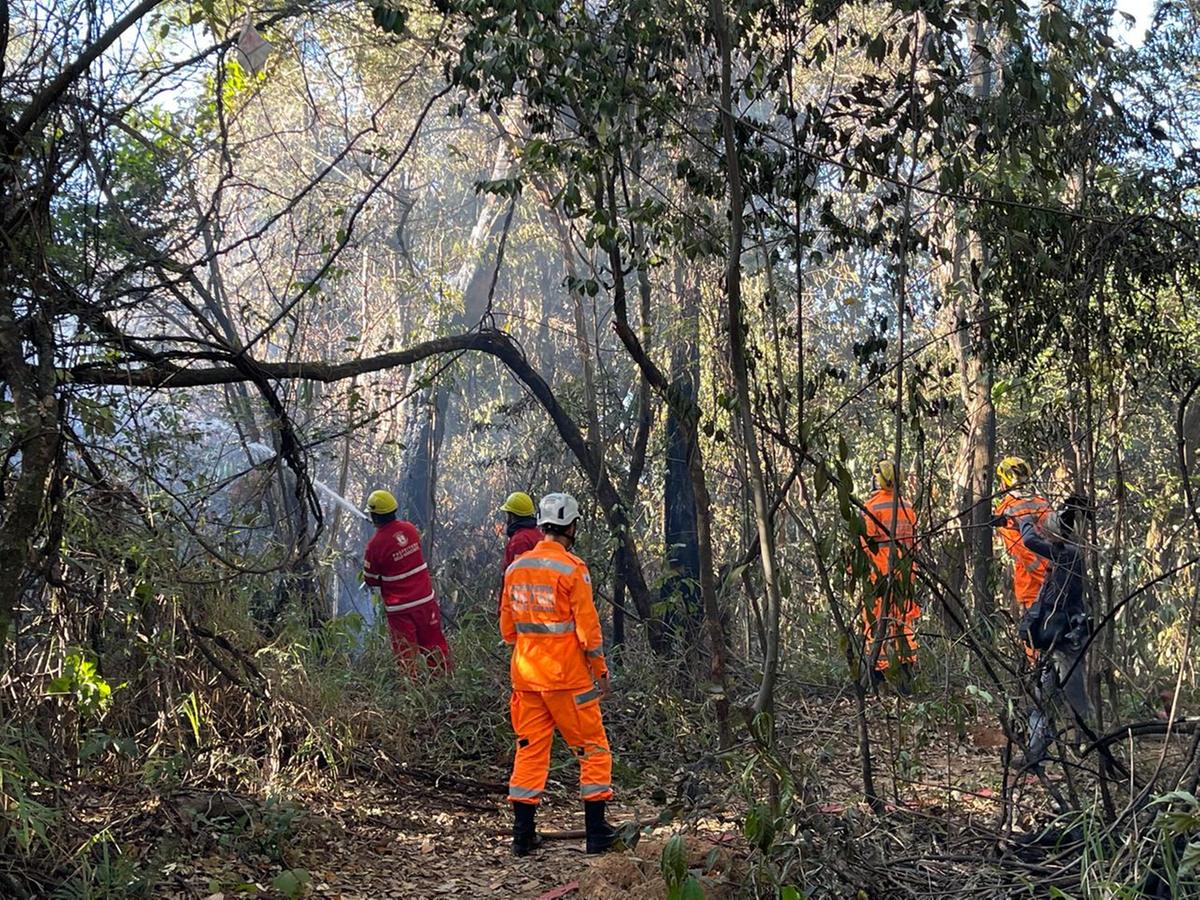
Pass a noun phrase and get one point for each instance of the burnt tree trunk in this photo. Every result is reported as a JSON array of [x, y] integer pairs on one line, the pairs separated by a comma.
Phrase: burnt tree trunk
[[429, 407], [681, 534]]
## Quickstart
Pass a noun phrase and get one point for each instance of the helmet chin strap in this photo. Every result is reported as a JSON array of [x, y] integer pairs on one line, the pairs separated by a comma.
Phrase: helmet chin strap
[[570, 537]]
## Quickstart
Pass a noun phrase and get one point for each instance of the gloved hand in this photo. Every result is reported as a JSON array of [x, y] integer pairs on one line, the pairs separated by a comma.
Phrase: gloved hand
[[604, 687], [999, 522], [1077, 636]]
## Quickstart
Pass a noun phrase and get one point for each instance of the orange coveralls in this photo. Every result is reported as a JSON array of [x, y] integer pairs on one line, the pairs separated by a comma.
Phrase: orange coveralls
[[895, 605], [1029, 569], [547, 612]]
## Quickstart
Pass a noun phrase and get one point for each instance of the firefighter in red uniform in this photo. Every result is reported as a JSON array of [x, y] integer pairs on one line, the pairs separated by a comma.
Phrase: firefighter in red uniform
[[521, 529], [394, 565]]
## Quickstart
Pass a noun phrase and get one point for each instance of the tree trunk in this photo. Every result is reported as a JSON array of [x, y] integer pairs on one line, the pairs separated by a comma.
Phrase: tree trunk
[[429, 408], [27, 370], [680, 528], [618, 615], [978, 449], [421, 445], [736, 322], [973, 343], [35, 438]]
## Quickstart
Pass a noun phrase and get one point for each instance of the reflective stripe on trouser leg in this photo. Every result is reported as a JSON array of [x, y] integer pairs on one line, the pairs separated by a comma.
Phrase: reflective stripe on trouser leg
[[577, 715], [534, 727]]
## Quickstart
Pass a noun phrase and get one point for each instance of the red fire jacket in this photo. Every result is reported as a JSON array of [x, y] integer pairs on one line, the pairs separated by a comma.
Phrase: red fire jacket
[[522, 541], [394, 564]]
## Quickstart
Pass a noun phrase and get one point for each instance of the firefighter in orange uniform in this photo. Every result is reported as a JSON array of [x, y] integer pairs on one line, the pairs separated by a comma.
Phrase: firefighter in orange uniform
[[889, 620], [559, 675], [1019, 501]]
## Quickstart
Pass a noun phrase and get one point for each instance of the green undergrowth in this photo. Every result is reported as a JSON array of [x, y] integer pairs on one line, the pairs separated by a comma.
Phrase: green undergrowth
[[211, 707]]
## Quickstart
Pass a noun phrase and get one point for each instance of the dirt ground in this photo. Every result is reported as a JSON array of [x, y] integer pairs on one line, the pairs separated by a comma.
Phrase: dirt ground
[[420, 836], [368, 841]]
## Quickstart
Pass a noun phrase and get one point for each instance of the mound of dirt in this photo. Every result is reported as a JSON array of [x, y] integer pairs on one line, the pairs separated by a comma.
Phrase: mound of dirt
[[638, 874]]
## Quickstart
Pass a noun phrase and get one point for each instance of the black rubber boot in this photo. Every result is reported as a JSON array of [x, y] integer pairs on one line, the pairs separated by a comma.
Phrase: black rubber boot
[[600, 835], [525, 836]]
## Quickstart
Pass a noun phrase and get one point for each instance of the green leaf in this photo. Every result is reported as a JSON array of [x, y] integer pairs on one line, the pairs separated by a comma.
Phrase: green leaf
[[291, 882], [1176, 797], [752, 827], [628, 835], [843, 494], [761, 728], [759, 827], [674, 861], [821, 481], [1190, 860], [691, 889]]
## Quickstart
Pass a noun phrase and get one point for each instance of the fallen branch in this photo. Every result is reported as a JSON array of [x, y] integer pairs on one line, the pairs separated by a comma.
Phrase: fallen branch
[[441, 779], [231, 369], [1142, 729], [571, 834]]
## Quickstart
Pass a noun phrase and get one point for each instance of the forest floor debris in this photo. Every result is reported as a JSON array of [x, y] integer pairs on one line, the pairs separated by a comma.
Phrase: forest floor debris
[[401, 831], [412, 838], [367, 841]]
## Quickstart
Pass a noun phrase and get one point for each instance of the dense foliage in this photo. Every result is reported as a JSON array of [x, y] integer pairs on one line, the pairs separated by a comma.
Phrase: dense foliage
[[700, 264]]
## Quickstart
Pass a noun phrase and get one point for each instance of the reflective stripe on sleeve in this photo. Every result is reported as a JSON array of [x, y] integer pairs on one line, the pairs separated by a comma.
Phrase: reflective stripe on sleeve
[[583, 698], [546, 627], [592, 654]]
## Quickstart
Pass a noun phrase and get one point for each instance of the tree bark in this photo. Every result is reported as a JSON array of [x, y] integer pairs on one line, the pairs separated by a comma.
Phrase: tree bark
[[680, 527], [973, 342], [429, 407], [737, 356]]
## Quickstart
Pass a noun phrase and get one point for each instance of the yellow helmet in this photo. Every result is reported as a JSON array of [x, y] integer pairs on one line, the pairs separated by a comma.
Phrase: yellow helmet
[[518, 503], [885, 473], [1013, 469], [381, 503]]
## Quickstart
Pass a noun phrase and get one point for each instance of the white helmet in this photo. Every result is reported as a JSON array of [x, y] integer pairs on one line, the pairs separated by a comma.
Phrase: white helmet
[[558, 509]]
